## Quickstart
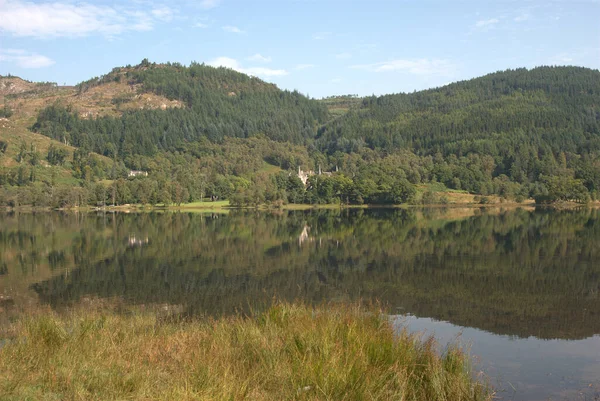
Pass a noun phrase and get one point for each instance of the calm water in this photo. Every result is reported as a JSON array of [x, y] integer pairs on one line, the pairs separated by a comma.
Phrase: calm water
[[521, 288]]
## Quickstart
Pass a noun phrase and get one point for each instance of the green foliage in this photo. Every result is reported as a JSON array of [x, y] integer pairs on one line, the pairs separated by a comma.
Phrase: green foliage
[[403, 192], [482, 200], [514, 125], [563, 188], [220, 103], [495, 135], [56, 156], [28, 154]]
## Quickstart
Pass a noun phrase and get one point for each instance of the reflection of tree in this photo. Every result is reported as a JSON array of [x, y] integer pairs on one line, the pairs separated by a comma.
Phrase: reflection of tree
[[519, 273]]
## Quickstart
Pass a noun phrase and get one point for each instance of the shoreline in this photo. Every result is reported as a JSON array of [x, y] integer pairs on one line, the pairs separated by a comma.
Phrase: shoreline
[[301, 207]]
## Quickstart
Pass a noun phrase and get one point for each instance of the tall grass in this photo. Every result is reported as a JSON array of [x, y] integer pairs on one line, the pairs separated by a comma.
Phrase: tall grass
[[289, 352]]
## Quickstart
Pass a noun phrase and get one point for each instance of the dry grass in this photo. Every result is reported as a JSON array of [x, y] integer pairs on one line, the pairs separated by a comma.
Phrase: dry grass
[[288, 352]]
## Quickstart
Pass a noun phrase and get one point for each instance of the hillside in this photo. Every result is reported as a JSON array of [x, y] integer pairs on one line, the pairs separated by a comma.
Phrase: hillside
[[340, 105], [22, 150], [519, 124], [475, 115], [203, 131]]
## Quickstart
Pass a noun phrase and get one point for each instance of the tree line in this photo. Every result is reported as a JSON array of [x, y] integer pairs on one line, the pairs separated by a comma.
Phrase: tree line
[[517, 134]]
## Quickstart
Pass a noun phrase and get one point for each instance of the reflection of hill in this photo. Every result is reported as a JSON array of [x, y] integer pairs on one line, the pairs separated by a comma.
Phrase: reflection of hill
[[518, 273]]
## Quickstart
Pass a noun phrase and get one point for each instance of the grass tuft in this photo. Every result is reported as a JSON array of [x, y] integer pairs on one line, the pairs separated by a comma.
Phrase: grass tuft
[[289, 352]]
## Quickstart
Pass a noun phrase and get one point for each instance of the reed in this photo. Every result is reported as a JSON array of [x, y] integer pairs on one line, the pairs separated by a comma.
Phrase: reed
[[288, 352]]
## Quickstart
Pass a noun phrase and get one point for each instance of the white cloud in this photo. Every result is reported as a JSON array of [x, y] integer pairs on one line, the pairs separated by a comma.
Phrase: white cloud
[[411, 66], [264, 72], [48, 20], [343, 56], [259, 58], [200, 25], [142, 21], [304, 66], [163, 13], [522, 17], [256, 71], [25, 59], [225, 62], [233, 29], [486, 23]]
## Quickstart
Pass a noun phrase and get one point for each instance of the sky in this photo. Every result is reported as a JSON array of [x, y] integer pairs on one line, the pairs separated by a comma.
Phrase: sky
[[318, 47]]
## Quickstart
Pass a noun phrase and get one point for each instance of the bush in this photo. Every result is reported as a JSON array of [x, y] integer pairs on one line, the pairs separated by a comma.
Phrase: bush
[[428, 198], [5, 112]]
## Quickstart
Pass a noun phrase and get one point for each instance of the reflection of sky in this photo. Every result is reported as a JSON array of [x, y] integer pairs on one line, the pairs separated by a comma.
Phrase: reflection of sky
[[536, 369]]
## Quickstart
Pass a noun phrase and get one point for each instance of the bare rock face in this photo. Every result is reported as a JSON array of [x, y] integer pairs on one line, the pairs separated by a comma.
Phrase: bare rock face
[[12, 85], [88, 114]]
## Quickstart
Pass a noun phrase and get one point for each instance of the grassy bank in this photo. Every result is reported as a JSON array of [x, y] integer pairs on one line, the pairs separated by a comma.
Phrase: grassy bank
[[288, 352]]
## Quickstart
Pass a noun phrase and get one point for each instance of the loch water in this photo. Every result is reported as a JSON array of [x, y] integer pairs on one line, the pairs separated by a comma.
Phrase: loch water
[[519, 287]]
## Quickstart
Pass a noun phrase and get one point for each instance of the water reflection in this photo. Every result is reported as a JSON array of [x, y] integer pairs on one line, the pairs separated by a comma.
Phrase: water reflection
[[510, 279], [518, 273], [525, 368]]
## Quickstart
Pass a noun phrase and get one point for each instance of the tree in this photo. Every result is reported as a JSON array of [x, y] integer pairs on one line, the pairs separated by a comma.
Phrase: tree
[[403, 192], [145, 191], [180, 194], [164, 194], [562, 188], [34, 155], [122, 191], [56, 156], [294, 189], [100, 194]]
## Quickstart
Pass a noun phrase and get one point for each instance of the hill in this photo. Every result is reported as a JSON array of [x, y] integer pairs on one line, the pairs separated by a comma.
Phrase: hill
[[460, 117], [214, 126], [519, 124], [199, 130]]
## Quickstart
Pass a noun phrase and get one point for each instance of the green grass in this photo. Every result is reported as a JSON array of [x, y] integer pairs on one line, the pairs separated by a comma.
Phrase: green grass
[[207, 204], [289, 352], [269, 169], [433, 187]]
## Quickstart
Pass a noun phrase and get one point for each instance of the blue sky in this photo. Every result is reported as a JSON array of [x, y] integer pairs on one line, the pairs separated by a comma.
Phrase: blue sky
[[319, 47]]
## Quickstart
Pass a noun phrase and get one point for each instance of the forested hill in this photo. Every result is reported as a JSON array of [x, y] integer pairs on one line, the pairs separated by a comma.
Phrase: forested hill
[[504, 114], [198, 130], [218, 103]]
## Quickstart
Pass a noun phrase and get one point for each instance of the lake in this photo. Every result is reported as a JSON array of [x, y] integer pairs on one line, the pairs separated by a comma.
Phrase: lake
[[519, 287]]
